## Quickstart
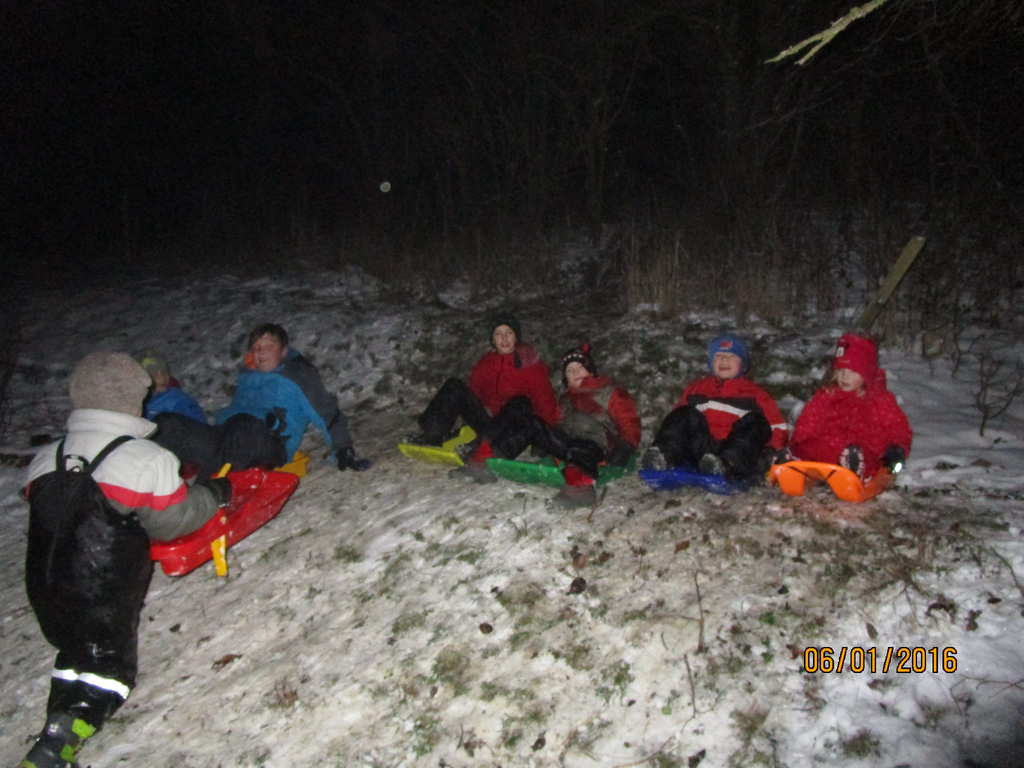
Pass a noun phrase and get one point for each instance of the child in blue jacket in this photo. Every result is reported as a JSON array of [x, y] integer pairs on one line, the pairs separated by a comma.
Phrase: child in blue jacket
[[283, 388]]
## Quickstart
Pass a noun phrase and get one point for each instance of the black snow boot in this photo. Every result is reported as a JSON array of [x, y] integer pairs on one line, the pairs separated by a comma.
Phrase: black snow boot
[[59, 742]]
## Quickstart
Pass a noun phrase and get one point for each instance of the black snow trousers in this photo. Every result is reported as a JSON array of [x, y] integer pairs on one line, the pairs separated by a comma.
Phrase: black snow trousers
[[517, 427], [88, 603], [242, 441], [453, 400], [683, 437]]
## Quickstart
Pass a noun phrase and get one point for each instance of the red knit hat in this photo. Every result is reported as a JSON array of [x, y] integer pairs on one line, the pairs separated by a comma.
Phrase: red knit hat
[[857, 353]]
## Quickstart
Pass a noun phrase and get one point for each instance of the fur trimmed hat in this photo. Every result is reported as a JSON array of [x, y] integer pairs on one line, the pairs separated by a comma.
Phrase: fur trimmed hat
[[581, 355], [734, 345], [859, 354], [112, 381], [504, 318]]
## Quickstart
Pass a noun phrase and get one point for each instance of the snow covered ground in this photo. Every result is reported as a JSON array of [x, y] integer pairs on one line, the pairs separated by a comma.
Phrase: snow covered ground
[[401, 618]]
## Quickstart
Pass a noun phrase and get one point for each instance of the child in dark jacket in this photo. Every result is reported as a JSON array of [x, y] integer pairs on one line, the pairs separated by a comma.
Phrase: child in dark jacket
[[596, 409], [87, 571], [854, 420], [508, 387], [722, 424]]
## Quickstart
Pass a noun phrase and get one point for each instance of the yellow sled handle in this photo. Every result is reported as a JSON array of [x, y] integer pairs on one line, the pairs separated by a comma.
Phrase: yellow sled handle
[[219, 546]]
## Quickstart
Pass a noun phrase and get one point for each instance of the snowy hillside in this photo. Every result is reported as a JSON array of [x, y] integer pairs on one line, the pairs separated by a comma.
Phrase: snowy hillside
[[398, 617]]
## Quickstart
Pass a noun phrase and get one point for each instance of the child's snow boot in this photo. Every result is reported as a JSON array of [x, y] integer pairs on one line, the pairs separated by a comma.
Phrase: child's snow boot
[[654, 459], [710, 464], [475, 466], [59, 742], [578, 490]]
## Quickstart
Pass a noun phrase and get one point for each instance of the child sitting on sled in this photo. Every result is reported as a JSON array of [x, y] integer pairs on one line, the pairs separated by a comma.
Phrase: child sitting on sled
[[596, 409], [722, 424], [507, 387], [279, 394], [854, 420], [166, 394]]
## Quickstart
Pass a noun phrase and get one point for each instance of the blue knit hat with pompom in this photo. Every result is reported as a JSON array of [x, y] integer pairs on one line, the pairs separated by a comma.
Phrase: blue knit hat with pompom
[[731, 344]]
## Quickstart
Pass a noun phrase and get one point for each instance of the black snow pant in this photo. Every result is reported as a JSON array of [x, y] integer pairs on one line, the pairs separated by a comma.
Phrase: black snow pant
[[510, 431], [243, 441], [453, 400], [87, 596], [684, 437], [517, 427]]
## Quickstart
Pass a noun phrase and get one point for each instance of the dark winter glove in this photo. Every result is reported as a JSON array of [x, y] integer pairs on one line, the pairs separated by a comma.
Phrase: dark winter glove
[[347, 459], [893, 458], [220, 487], [620, 453]]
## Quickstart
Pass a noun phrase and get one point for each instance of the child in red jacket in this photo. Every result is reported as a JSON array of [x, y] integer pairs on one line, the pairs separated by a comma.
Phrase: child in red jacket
[[854, 420], [722, 424], [508, 387], [597, 411]]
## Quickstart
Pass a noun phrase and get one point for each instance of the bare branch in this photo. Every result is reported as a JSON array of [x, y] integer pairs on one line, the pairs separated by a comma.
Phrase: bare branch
[[823, 38]]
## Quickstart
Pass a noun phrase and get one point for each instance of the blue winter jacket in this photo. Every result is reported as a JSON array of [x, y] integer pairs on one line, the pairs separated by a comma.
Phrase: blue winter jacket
[[174, 400], [292, 391]]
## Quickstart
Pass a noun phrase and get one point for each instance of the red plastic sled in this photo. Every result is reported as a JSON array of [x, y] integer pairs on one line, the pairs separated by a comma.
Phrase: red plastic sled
[[793, 476], [256, 497]]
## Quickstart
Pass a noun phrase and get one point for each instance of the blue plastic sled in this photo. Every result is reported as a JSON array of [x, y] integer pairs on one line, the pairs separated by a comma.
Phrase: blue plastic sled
[[671, 479]]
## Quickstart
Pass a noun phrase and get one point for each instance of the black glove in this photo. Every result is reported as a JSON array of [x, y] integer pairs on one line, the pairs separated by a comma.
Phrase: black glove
[[347, 459], [893, 458], [620, 453], [220, 487]]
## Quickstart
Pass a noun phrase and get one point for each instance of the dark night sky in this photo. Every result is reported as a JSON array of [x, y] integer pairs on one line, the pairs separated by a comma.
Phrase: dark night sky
[[137, 122]]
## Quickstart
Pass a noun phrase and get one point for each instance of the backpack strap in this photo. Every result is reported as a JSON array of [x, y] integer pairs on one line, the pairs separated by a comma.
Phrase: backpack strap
[[90, 466]]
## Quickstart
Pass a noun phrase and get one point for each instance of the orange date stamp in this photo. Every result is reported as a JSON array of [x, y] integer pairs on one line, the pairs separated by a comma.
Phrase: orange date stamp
[[901, 659]]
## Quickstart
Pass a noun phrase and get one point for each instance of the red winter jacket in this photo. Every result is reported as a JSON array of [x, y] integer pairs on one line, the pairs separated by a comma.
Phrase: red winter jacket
[[612, 405], [496, 379], [725, 401], [834, 419]]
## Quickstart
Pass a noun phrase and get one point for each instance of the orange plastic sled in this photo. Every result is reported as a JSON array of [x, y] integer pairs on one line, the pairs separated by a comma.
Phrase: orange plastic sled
[[793, 477], [256, 497]]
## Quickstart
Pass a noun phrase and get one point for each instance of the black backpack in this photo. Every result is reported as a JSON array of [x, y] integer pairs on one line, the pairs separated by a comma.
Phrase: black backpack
[[62, 501]]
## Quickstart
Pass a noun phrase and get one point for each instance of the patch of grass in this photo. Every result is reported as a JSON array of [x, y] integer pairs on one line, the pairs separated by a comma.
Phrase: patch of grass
[[615, 679], [861, 745], [426, 733], [283, 696], [452, 668], [490, 690], [748, 722], [346, 553], [520, 598], [577, 656], [471, 557], [519, 639], [392, 572], [407, 621], [583, 738]]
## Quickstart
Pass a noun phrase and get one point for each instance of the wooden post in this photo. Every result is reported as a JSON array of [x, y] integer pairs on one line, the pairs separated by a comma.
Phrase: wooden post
[[873, 309]]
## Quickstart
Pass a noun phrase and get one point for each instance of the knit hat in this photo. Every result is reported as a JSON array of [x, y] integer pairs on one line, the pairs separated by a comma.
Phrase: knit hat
[[153, 363], [857, 353], [731, 344], [504, 318], [581, 355], [112, 381]]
